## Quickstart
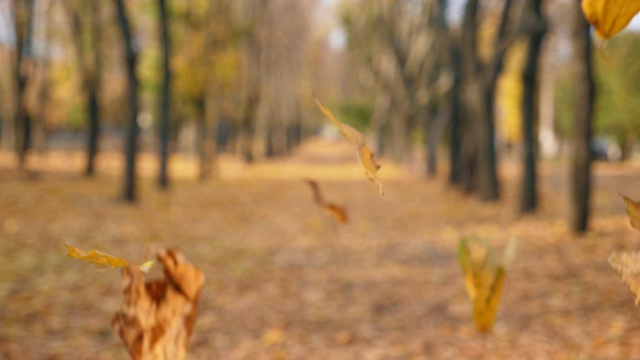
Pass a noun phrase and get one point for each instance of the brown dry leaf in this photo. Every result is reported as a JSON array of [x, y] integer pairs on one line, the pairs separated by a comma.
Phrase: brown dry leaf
[[633, 212], [364, 154], [609, 17], [628, 265], [157, 317], [96, 257], [336, 212]]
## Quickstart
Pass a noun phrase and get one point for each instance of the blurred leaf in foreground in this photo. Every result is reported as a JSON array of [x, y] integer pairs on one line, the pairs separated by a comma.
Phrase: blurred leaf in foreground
[[627, 264], [336, 212], [483, 278], [102, 259], [633, 212], [364, 154], [609, 17], [157, 317]]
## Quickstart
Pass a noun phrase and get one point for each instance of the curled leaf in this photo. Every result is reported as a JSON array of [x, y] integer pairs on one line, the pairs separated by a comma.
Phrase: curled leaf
[[157, 317], [96, 257], [609, 17], [633, 212], [628, 265], [364, 154], [336, 212]]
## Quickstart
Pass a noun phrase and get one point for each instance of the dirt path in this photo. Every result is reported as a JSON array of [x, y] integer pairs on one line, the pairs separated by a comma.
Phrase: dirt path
[[284, 282]]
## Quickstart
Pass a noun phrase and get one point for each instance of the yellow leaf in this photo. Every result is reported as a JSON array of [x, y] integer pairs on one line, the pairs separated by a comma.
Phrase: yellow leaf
[[96, 257], [485, 310], [364, 154], [633, 212], [146, 266], [628, 265], [609, 17], [483, 279]]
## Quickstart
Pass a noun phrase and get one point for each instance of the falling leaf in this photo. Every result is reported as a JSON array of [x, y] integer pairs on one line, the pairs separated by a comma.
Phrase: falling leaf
[[336, 212], [364, 154], [96, 257], [483, 279], [609, 17], [146, 266], [633, 212], [102, 259], [628, 265], [157, 317]]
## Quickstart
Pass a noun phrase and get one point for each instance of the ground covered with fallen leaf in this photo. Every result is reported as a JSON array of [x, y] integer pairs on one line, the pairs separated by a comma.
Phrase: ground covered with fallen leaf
[[285, 282]]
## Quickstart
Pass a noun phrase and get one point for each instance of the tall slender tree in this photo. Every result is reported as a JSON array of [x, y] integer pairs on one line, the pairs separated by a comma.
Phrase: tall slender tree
[[165, 100], [530, 79], [584, 97], [23, 11], [89, 57], [131, 142]]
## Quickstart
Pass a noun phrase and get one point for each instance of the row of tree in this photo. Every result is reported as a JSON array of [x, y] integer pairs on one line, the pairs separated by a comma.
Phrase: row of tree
[[237, 73], [227, 69], [438, 74]]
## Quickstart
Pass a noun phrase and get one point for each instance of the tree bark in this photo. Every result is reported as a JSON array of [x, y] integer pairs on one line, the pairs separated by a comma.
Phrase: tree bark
[[131, 142], [530, 104], [23, 22], [89, 60], [584, 91], [165, 100], [455, 142], [479, 83]]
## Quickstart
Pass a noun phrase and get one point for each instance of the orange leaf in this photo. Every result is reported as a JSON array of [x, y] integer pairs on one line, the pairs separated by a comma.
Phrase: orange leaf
[[336, 212], [364, 154], [633, 212], [609, 17], [628, 265]]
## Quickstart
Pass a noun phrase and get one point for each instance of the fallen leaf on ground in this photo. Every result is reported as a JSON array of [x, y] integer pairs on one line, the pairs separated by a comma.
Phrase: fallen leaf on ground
[[364, 154], [609, 17]]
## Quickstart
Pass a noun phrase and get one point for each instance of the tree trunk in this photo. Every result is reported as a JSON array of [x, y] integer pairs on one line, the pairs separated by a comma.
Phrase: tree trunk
[[479, 83], [89, 66], [23, 22], [204, 142], [455, 143], [131, 142], [584, 91], [530, 104], [163, 178]]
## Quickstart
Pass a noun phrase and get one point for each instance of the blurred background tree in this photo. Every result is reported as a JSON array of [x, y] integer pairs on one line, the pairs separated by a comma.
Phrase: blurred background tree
[[469, 81]]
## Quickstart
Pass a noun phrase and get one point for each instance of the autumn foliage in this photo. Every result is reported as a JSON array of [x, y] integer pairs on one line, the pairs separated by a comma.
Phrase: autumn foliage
[[157, 317], [334, 211], [609, 17], [484, 279]]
